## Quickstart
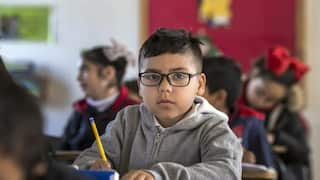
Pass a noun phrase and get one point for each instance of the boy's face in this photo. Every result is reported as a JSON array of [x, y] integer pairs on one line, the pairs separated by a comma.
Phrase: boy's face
[[217, 99], [91, 83], [167, 102]]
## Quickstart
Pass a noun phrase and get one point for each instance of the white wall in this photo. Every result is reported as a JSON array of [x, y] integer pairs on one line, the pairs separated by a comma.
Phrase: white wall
[[77, 24]]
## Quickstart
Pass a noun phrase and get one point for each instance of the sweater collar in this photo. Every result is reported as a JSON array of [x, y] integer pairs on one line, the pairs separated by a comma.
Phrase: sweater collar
[[202, 111]]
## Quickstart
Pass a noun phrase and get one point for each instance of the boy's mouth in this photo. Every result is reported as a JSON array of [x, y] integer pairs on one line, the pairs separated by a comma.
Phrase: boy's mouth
[[165, 101]]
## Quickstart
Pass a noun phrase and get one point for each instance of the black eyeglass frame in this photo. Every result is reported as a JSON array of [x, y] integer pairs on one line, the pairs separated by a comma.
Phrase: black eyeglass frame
[[168, 79]]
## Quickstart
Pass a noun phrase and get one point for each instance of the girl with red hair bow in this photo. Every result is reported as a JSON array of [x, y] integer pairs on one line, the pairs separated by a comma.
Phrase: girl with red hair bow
[[269, 90]]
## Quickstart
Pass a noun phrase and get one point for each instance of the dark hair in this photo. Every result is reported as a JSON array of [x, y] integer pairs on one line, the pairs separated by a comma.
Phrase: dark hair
[[5, 77], [21, 125], [223, 73], [287, 78], [98, 56], [132, 86], [173, 41]]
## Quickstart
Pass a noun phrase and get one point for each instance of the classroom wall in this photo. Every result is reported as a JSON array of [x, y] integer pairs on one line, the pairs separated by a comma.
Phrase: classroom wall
[[77, 24], [312, 45], [83, 23]]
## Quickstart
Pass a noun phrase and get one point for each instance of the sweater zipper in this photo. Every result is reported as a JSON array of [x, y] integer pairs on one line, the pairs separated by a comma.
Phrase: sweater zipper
[[156, 143]]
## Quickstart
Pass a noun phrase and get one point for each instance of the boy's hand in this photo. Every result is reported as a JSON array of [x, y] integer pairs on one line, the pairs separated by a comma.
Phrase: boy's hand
[[99, 164], [248, 156], [137, 175]]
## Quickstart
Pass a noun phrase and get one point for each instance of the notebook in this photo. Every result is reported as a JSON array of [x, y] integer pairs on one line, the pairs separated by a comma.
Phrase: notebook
[[100, 175]]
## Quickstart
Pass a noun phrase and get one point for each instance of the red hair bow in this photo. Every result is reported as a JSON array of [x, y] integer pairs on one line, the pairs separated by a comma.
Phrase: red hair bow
[[279, 60]]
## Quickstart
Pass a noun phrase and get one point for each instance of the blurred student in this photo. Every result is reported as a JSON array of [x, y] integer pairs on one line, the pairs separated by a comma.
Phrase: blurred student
[[100, 77], [174, 134], [268, 90], [223, 90], [133, 89], [22, 151]]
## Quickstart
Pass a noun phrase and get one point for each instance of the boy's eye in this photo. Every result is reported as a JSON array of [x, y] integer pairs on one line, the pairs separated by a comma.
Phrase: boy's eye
[[179, 76], [152, 77]]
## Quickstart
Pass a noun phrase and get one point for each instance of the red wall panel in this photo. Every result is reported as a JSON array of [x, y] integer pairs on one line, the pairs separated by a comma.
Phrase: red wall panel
[[255, 25]]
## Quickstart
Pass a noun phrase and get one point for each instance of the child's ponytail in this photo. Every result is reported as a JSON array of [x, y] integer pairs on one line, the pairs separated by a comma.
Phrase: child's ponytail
[[120, 65]]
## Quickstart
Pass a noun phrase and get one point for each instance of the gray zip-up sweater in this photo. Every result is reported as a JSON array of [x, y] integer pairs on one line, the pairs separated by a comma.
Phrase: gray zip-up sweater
[[200, 146]]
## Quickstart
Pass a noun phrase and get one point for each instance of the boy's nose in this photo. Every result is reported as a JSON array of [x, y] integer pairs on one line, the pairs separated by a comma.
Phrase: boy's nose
[[165, 85]]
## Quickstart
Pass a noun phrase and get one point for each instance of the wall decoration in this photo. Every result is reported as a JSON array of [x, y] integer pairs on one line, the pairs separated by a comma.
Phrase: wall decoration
[[215, 12], [26, 23]]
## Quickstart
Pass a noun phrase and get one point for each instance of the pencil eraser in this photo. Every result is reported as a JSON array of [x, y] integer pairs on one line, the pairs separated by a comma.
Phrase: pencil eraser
[[91, 119]]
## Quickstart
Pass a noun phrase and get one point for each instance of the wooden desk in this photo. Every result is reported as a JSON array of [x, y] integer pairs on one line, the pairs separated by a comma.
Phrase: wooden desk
[[259, 174], [279, 149], [66, 156]]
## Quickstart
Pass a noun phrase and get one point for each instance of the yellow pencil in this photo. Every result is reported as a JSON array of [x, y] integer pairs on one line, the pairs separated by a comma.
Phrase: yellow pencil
[[96, 134]]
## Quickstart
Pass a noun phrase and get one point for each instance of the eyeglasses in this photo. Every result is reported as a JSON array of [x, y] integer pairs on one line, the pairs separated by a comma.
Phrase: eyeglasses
[[178, 79]]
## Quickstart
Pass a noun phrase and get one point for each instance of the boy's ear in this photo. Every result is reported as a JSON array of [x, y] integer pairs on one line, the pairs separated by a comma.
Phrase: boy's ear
[[218, 99], [108, 73], [221, 96], [202, 84]]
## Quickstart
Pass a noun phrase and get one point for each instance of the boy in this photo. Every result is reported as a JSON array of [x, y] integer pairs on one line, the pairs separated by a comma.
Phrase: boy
[[133, 90], [223, 93], [173, 134], [22, 155]]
